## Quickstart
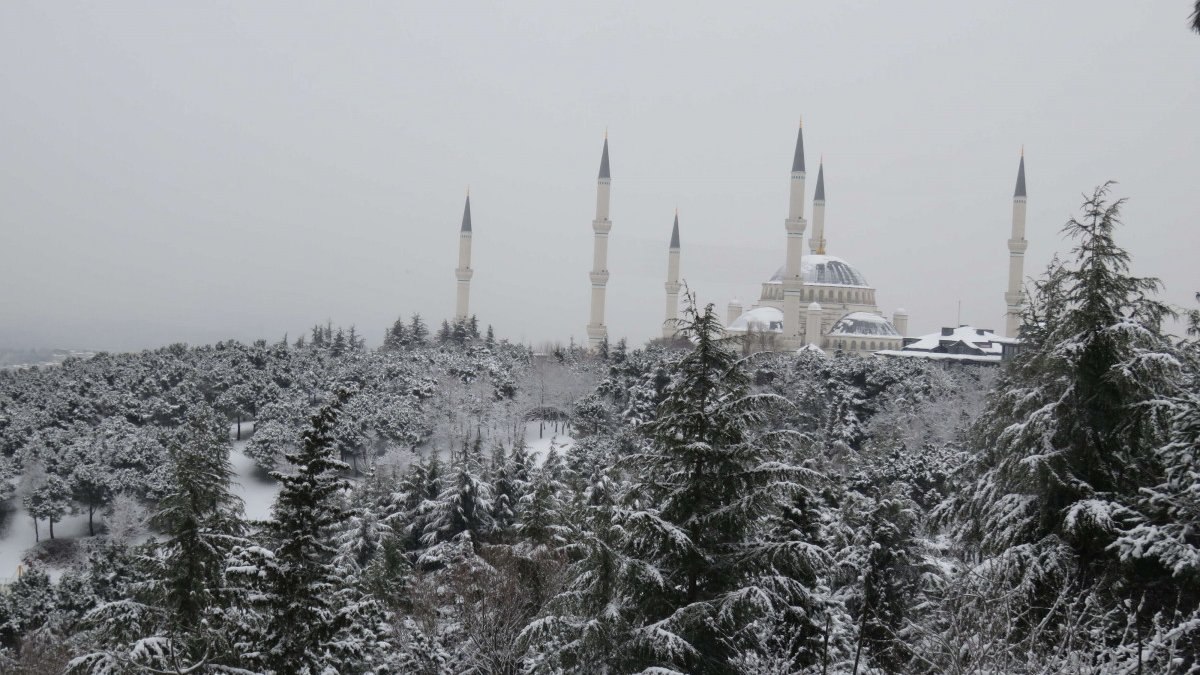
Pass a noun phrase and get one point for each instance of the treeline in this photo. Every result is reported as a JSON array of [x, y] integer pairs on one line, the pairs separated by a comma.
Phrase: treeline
[[718, 513]]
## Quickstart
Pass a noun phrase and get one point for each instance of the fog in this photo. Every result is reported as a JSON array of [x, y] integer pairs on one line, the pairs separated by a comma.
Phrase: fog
[[194, 172]]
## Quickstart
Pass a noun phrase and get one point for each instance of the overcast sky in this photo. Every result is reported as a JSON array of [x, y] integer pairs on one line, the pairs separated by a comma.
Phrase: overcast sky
[[201, 171]]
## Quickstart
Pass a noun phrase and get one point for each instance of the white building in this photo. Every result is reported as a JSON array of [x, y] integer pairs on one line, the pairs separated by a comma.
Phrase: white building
[[966, 344], [840, 306], [815, 300]]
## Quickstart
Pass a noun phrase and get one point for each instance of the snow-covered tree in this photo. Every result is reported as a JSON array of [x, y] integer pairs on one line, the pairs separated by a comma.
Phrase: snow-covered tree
[[1070, 436]]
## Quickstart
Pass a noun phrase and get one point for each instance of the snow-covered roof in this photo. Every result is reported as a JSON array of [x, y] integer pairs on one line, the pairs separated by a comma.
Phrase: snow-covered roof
[[826, 270], [864, 324], [763, 319], [936, 356], [985, 341]]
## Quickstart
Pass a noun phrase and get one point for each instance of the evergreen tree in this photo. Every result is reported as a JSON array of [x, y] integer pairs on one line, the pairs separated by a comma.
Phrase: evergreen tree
[[306, 624], [340, 344], [418, 331], [473, 327], [49, 501], [716, 476], [490, 341], [179, 623], [397, 337], [444, 333], [202, 520], [1069, 440]]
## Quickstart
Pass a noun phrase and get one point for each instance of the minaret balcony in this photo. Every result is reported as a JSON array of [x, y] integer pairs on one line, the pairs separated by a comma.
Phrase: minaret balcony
[[1017, 245], [464, 273], [795, 226], [602, 226], [599, 278]]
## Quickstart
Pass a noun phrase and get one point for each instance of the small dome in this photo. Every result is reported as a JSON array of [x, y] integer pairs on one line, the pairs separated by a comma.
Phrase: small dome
[[814, 307], [828, 270], [762, 319], [864, 324]]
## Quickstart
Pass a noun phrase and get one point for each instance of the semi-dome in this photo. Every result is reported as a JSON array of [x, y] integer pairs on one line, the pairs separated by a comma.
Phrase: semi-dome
[[863, 324], [761, 319], [827, 270]]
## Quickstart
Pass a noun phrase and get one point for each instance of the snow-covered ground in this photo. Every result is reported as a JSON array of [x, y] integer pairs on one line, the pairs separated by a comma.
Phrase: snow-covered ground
[[257, 493], [538, 447], [17, 535]]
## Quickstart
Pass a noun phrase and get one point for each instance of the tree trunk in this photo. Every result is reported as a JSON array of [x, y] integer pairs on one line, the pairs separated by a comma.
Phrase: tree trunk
[[51, 528], [91, 524], [239, 428], [37, 536]]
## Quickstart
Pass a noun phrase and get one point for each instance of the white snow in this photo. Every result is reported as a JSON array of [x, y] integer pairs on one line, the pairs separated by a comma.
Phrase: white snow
[[936, 356], [539, 447], [17, 536], [762, 319], [863, 324], [257, 493], [825, 270]]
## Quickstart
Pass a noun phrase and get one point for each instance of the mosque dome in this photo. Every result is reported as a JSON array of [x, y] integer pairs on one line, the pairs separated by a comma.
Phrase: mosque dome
[[761, 319], [826, 270], [863, 324]]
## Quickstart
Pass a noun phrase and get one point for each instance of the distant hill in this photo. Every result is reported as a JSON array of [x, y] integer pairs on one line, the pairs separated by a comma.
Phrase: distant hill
[[25, 358]]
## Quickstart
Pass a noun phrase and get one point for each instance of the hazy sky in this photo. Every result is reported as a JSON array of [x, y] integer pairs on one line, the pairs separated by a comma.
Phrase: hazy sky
[[198, 171]]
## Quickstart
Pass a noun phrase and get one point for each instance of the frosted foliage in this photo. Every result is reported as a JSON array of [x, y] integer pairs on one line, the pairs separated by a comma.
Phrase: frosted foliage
[[126, 519]]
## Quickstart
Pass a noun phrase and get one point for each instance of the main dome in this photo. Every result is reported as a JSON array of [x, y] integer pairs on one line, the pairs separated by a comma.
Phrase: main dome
[[826, 270]]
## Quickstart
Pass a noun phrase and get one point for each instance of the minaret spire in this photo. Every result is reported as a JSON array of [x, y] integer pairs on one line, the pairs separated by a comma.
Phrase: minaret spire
[[793, 284], [1014, 297], [601, 226], [672, 286], [816, 243], [464, 272]]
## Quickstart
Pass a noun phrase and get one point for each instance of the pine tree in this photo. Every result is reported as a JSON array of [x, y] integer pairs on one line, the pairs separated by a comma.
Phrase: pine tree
[[397, 336], [490, 341], [178, 621], [1069, 439], [202, 520], [444, 333], [49, 501], [339, 345], [418, 331], [304, 603], [717, 477]]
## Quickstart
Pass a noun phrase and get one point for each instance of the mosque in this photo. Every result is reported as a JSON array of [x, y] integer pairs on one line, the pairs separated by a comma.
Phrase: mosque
[[814, 301]]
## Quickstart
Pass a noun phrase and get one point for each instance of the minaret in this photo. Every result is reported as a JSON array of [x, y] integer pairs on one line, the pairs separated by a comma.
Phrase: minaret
[[816, 244], [812, 325], [793, 284], [601, 225], [900, 322], [732, 311], [672, 281], [1015, 298], [464, 271]]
